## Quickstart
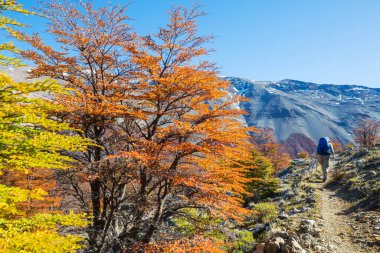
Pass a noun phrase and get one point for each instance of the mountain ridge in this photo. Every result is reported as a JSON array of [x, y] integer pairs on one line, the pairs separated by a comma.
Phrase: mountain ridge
[[314, 110], [296, 107]]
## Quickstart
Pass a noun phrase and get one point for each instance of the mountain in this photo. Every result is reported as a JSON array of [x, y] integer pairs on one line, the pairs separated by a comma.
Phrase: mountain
[[299, 111]]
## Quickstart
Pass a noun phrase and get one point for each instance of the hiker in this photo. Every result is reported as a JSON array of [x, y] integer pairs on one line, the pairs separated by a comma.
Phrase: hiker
[[325, 150]]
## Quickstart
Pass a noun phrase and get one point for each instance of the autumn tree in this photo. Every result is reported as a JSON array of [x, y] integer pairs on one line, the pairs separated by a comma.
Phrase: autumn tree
[[167, 132], [366, 132], [264, 141], [29, 139]]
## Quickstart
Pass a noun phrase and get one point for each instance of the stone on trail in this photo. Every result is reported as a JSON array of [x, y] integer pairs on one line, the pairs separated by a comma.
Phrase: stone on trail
[[310, 227], [283, 234], [274, 246], [260, 248], [291, 246], [307, 240]]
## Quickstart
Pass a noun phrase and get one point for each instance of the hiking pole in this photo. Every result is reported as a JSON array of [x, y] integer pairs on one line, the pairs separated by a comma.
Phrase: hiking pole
[[333, 164], [316, 164]]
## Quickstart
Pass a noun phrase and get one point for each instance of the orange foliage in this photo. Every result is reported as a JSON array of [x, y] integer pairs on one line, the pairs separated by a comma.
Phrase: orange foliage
[[193, 245], [168, 135], [35, 179], [337, 145], [264, 141], [303, 154]]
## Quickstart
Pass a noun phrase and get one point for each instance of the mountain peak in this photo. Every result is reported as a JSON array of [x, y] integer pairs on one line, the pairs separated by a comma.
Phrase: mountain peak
[[297, 107]]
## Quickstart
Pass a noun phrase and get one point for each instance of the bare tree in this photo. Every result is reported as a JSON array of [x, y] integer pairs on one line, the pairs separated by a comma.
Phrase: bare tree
[[366, 133]]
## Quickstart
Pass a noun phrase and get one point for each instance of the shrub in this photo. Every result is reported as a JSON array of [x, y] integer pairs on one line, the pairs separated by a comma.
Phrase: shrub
[[267, 211], [245, 242], [303, 155], [339, 174], [260, 172]]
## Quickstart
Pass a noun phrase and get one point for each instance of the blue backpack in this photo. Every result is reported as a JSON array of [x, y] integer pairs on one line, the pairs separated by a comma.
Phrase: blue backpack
[[323, 146]]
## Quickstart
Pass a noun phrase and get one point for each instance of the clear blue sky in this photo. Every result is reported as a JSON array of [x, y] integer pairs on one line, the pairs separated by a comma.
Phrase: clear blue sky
[[323, 41]]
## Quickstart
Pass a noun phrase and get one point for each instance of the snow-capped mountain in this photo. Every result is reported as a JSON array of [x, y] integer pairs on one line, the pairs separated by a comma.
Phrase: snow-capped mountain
[[313, 110], [297, 111]]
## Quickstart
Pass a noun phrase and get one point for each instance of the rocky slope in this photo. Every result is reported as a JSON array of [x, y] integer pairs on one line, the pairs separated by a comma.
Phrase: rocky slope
[[340, 216], [309, 109]]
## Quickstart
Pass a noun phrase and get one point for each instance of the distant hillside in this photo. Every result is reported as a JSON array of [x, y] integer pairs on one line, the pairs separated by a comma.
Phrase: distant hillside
[[298, 112], [298, 142], [307, 109]]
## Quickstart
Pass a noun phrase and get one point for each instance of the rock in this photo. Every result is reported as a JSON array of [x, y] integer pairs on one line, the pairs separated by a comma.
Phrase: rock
[[310, 227], [287, 249], [260, 248], [338, 240], [372, 173], [318, 249], [360, 163], [305, 221], [359, 240], [283, 215], [274, 246], [257, 229], [291, 246], [279, 240], [282, 234], [307, 240], [293, 211], [310, 200], [331, 247], [251, 205], [294, 244], [305, 209]]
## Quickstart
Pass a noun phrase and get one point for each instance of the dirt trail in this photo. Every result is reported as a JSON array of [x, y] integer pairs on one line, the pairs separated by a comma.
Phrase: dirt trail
[[336, 230]]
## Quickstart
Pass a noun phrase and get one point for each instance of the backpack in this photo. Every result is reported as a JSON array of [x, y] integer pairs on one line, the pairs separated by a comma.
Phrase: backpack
[[323, 146]]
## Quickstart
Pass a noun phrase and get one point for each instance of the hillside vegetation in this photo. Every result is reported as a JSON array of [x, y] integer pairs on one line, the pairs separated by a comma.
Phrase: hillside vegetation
[[342, 215]]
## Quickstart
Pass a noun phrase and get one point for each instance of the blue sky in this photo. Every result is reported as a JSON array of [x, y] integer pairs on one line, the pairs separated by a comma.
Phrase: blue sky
[[323, 41]]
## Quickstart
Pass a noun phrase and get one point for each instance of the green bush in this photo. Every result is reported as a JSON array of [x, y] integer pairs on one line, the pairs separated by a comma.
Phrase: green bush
[[244, 242], [195, 220], [261, 172], [267, 211]]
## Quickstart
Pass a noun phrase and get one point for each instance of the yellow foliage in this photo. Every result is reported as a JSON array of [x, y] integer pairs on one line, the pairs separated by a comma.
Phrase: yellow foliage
[[7, 24], [30, 139], [40, 234]]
